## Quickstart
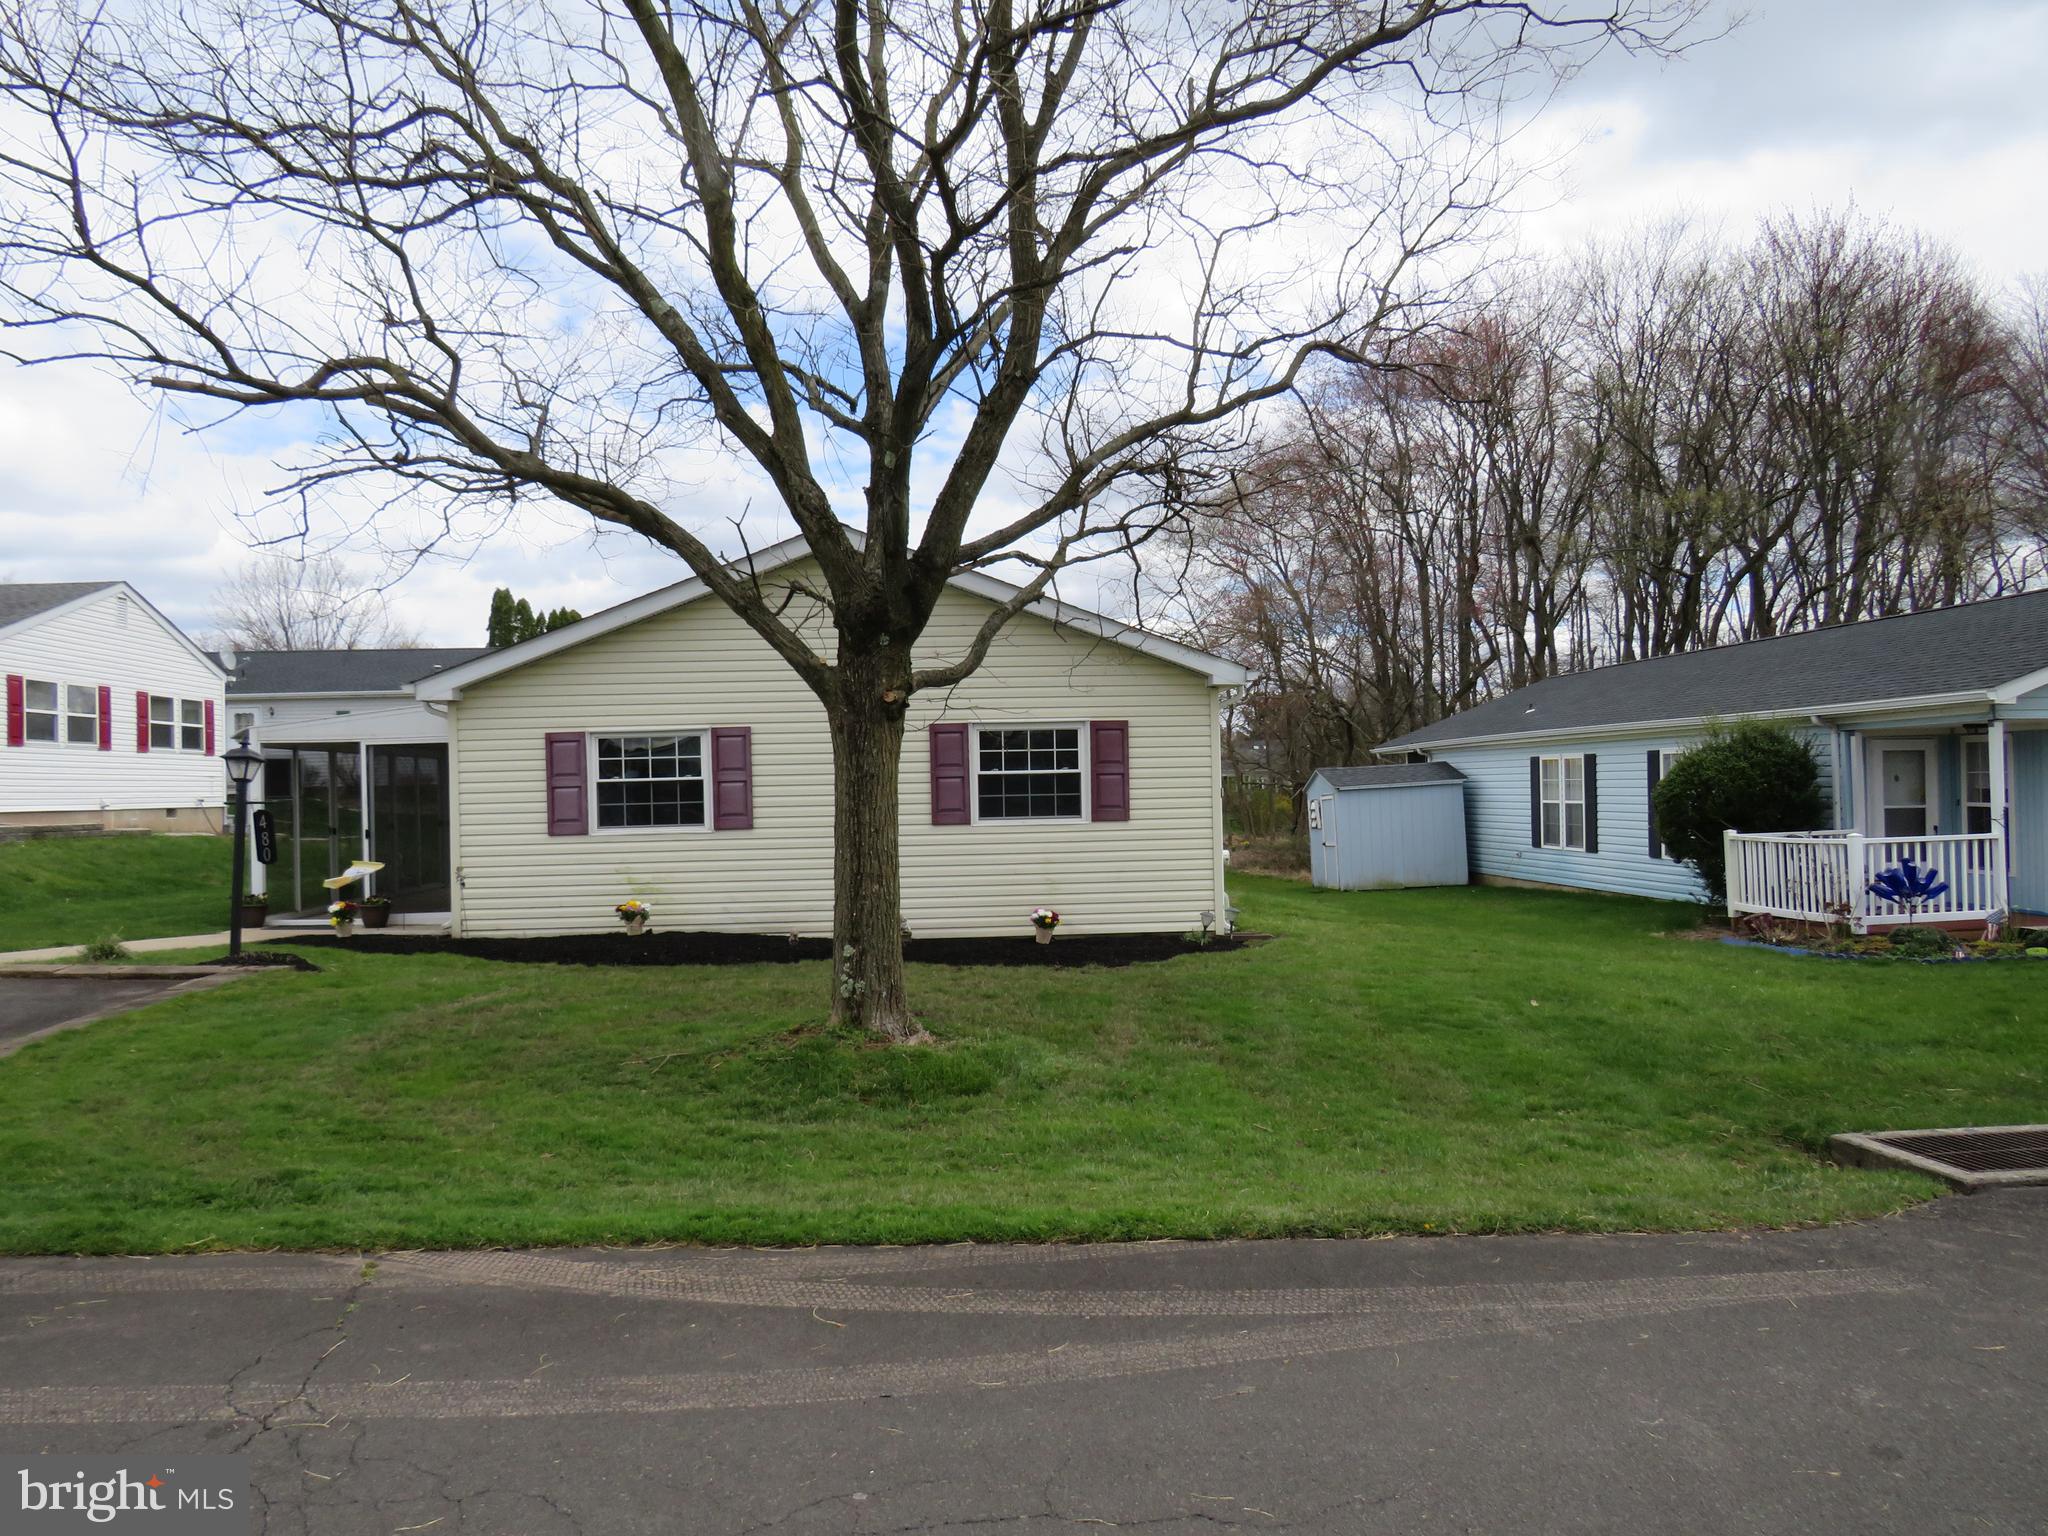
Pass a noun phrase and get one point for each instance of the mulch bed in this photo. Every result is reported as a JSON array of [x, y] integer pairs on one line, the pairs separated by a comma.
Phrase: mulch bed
[[263, 957], [775, 949]]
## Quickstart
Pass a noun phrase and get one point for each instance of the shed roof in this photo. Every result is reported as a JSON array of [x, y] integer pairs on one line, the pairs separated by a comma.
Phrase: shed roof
[[1391, 775], [1973, 648], [25, 599], [265, 674]]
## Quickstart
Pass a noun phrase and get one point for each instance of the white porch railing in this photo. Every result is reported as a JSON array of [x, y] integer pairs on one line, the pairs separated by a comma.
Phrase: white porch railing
[[1824, 877]]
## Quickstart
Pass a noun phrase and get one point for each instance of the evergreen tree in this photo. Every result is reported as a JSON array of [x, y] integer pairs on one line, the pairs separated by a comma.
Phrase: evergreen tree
[[502, 631], [513, 619]]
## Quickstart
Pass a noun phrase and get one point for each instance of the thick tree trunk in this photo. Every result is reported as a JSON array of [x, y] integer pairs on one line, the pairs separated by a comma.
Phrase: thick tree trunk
[[867, 895]]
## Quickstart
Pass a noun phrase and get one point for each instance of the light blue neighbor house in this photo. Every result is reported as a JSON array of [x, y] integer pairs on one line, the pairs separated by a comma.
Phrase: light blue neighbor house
[[1931, 730]]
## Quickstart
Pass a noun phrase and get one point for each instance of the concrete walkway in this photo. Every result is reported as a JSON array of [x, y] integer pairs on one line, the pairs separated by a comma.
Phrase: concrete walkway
[[137, 946], [269, 935], [1880, 1378]]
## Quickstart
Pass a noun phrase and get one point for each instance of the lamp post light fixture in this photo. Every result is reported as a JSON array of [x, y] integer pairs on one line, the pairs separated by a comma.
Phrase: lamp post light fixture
[[243, 763]]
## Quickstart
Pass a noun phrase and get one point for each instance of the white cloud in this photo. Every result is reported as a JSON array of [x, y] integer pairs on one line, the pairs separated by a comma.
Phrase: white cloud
[[1931, 118]]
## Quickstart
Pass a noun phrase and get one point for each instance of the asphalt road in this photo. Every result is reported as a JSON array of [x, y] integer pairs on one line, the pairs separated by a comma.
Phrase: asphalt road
[[1889, 1377], [32, 1005]]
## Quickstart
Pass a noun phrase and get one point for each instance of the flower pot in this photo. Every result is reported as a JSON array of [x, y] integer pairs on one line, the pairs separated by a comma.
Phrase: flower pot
[[376, 917], [635, 926], [343, 929], [1043, 935], [252, 914]]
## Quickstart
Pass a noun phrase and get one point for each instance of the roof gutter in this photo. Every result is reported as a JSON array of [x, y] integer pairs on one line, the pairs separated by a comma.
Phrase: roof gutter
[[1982, 696]]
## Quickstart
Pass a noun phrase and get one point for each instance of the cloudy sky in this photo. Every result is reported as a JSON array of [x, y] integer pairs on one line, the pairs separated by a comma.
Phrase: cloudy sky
[[1933, 116]]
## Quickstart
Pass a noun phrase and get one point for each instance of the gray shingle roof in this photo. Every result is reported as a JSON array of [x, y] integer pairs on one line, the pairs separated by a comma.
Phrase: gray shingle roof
[[1971, 648], [267, 673], [24, 599], [1391, 775]]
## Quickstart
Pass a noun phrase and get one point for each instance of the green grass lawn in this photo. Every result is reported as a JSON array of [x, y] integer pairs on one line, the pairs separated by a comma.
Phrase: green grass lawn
[[1454, 1060], [71, 890]]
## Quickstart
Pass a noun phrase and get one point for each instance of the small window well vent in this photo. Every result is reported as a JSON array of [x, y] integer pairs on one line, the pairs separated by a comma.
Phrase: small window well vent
[[1972, 1158]]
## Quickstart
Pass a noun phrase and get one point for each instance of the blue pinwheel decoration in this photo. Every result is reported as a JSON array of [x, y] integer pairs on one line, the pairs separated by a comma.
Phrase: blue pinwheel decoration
[[1907, 885]]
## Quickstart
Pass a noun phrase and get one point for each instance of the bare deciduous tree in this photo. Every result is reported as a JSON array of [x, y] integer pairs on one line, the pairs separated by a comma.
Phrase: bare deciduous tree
[[1051, 249], [277, 603], [1656, 446]]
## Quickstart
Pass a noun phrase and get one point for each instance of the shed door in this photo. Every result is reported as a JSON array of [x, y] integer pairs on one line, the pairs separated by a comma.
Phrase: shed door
[[1325, 817]]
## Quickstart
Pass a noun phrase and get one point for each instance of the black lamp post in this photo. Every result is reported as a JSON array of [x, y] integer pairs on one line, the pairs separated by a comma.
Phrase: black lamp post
[[242, 761]]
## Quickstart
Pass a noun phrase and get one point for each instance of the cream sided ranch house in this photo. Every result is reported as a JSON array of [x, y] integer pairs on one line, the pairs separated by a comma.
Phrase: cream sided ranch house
[[1930, 729], [660, 750]]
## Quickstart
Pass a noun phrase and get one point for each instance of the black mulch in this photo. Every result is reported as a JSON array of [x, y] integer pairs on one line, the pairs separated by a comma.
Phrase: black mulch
[[764, 948], [263, 957]]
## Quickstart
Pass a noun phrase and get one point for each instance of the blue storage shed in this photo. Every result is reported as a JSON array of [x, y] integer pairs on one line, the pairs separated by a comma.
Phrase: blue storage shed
[[1387, 825]]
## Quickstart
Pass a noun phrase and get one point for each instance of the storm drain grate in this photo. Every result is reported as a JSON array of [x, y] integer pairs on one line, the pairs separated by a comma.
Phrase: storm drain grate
[[1980, 1157]]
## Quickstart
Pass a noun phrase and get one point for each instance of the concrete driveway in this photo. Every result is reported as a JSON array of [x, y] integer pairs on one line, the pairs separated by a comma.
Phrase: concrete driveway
[[1891, 1377]]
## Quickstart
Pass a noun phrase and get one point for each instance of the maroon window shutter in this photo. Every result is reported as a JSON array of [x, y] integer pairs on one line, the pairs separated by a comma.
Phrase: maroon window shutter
[[142, 722], [1109, 760], [950, 805], [732, 778], [209, 727], [106, 718], [568, 809], [17, 720]]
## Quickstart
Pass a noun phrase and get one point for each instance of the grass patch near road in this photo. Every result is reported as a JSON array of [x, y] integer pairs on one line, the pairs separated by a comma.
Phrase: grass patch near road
[[1455, 1060], [72, 890]]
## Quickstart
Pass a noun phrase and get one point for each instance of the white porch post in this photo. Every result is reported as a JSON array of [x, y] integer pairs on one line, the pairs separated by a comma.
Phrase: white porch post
[[1859, 882], [2001, 862]]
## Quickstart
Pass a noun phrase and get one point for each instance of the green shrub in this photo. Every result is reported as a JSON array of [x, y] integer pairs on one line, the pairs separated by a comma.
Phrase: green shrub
[[1745, 777], [1921, 943], [105, 950]]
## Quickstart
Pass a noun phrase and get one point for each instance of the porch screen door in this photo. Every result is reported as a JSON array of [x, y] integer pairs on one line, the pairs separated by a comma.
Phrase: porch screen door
[[1907, 777]]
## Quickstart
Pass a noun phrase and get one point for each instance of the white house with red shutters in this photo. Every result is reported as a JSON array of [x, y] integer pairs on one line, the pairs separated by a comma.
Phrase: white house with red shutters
[[661, 750], [113, 713]]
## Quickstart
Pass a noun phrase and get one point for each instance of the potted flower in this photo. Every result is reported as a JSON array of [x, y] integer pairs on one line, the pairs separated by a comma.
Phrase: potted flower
[[634, 913], [253, 910], [1044, 920], [375, 911], [342, 914]]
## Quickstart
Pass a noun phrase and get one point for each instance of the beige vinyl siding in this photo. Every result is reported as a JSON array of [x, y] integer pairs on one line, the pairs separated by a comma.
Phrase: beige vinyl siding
[[698, 666]]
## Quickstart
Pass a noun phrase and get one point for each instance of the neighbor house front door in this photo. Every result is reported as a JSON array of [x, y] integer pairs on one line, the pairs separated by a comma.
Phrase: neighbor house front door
[[1907, 797]]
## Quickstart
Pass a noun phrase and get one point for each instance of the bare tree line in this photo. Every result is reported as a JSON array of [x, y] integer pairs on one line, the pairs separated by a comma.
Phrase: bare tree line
[[1662, 445]]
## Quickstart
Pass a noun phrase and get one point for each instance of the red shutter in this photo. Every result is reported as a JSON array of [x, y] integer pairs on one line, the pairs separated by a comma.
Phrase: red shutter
[[1109, 760], [142, 722], [732, 778], [950, 805], [209, 727], [106, 718], [17, 721], [568, 809]]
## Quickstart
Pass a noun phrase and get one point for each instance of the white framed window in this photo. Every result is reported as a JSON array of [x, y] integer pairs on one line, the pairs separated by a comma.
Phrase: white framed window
[[163, 724], [60, 712], [1564, 802], [1030, 773], [81, 715], [176, 725], [1976, 784], [649, 779], [245, 720], [1665, 759], [40, 719]]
